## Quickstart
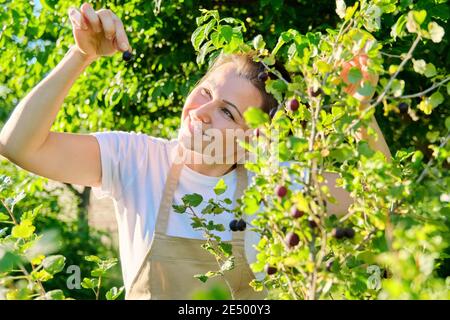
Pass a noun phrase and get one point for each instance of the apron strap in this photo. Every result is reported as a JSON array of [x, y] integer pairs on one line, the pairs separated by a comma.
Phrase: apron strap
[[167, 198], [241, 184], [169, 191]]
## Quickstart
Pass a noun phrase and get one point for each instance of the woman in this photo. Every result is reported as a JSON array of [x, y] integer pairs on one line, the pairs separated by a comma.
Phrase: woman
[[160, 252]]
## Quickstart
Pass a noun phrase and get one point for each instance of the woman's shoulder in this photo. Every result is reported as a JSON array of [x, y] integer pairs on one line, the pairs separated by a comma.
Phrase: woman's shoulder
[[136, 143]]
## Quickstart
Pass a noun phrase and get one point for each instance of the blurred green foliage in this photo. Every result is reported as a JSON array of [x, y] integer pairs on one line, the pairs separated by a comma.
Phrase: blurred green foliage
[[148, 94]]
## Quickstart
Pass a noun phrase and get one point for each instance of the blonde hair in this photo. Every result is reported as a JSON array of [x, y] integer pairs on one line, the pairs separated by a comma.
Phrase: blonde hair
[[250, 70]]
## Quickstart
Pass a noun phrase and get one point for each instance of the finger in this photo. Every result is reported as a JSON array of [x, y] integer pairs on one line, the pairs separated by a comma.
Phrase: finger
[[74, 22], [107, 23], [76, 17], [91, 17], [121, 36]]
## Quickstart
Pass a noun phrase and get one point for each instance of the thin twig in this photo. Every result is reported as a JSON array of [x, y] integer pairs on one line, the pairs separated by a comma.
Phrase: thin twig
[[217, 256], [391, 55], [9, 212], [419, 94], [430, 162], [97, 293]]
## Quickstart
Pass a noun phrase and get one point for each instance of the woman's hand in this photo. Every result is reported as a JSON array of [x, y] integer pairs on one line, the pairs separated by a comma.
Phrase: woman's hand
[[360, 62], [97, 33]]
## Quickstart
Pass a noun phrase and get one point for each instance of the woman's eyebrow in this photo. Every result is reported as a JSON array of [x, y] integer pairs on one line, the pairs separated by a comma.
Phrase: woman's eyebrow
[[229, 103], [226, 101]]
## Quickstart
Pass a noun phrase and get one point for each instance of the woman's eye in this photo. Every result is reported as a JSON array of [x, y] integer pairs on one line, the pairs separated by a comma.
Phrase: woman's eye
[[203, 90], [228, 113], [224, 110]]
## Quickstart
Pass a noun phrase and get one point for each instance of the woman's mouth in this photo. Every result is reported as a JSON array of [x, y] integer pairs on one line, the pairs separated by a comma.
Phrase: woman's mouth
[[195, 128]]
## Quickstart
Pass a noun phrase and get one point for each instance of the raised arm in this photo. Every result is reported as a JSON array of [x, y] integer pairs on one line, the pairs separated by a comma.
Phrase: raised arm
[[26, 139]]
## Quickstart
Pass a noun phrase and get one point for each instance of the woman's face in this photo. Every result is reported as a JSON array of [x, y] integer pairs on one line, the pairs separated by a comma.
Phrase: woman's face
[[213, 112]]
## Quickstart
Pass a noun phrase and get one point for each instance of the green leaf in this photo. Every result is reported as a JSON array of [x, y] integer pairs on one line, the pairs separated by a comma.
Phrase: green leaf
[[323, 67], [269, 60], [367, 89], [212, 226], [54, 264], [197, 223], [3, 231], [204, 50], [419, 66], [255, 117], [209, 208], [436, 32], [258, 42], [201, 277], [397, 87], [114, 293], [278, 46], [8, 260], [179, 208], [226, 32], [276, 87], [98, 272], [41, 275], [232, 20], [341, 153], [419, 16], [364, 149], [198, 36], [430, 70], [436, 99], [227, 265], [55, 295], [24, 230], [3, 217], [448, 88], [226, 248], [340, 8], [257, 285], [415, 19], [296, 144], [398, 29], [209, 27], [354, 75], [89, 283], [350, 11], [192, 200], [251, 205], [93, 258], [425, 106], [447, 123], [220, 187]]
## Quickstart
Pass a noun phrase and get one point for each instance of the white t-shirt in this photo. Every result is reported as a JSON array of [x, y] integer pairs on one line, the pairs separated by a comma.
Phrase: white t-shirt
[[134, 171]]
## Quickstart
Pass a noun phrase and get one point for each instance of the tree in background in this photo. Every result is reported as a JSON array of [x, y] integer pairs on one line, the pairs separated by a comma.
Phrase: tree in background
[[147, 95]]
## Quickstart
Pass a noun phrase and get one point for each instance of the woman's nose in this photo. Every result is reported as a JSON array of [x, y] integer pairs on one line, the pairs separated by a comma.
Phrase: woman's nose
[[202, 114]]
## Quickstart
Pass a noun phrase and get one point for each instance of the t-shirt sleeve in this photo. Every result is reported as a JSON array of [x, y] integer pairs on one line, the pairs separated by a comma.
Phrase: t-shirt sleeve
[[122, 155]]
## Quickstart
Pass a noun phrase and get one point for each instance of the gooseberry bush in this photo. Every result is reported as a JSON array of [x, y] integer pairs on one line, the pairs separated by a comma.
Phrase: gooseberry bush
[[28, 256], [392, 240]]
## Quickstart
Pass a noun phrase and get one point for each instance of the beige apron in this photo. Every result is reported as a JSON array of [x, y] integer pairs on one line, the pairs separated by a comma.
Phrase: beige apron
[[168, 269]]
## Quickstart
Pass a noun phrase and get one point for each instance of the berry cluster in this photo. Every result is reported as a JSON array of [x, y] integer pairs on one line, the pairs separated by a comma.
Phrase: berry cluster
[[238, 225], [340, 233]]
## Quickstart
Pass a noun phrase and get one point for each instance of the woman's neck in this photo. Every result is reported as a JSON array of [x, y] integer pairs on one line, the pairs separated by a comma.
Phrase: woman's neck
[[196, 162], [213, 170]]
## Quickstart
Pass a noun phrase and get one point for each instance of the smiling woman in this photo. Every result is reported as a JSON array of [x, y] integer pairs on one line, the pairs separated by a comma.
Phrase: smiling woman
[[216, 105], [160, 251]]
